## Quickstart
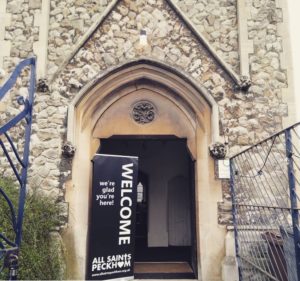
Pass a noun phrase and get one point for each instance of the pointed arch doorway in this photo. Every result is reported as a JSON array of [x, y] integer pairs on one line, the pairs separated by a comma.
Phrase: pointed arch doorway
[[165, 238], [149, 105]]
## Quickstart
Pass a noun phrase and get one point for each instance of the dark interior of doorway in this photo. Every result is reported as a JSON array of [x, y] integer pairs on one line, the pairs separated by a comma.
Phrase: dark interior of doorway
[[157, 155]]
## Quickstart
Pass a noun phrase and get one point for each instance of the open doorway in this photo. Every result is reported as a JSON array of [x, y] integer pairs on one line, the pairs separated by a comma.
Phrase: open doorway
[[165, 240]]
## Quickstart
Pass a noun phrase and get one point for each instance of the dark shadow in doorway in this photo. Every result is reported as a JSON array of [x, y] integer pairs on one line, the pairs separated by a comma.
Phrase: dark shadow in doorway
[[161, 159]]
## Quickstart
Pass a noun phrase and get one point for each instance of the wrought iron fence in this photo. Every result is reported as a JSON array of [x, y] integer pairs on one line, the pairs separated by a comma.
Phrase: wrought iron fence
[[265, 186], [18, 160]]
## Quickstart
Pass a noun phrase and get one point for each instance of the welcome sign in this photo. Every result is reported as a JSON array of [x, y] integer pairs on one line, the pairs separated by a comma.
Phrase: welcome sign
[[112, 217]]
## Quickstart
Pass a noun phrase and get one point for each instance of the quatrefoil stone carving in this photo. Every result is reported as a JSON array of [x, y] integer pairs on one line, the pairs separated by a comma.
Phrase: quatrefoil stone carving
[[143, 112]]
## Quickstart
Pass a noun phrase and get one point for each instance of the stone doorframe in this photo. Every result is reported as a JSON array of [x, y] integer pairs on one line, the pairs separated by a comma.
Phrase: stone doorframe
[[103, 108]]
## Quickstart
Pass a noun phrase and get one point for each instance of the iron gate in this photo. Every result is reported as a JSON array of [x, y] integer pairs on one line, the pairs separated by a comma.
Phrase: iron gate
[[265, 186], [18, 160]]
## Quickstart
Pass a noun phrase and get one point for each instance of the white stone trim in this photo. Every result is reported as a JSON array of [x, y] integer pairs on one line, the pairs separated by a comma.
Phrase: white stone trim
[[229, 264], [40, 47], [228, 70], [245, 45], [208, 190], [288, 94], [71, 126], [5, 20]]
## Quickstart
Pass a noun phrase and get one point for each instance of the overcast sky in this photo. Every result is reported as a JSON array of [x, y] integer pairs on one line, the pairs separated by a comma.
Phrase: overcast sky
[[294, 21]]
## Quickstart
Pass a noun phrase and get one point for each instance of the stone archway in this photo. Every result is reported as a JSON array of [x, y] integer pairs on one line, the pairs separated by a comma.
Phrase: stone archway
[[181, 109]]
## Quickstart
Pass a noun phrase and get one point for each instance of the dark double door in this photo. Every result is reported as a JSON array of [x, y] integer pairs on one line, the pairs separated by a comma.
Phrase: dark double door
[[165, 237]]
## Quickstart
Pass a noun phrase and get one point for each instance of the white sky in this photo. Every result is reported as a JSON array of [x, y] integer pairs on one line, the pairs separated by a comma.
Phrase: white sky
[[294, 21]]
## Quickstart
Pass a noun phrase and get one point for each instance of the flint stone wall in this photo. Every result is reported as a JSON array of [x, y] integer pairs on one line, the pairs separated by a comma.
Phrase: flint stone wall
[[116, 42], [217, 21], [69, 20], [244, 119], [21, 31]]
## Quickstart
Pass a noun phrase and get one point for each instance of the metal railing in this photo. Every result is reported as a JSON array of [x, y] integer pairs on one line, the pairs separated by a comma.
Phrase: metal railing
[[265, 187], [18, 162]]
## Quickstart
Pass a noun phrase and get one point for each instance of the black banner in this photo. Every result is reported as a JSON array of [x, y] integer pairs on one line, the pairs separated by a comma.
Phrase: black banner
[[112, 217]]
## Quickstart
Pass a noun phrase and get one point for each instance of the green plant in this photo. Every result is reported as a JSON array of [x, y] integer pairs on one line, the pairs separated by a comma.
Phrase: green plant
[[40, 256]]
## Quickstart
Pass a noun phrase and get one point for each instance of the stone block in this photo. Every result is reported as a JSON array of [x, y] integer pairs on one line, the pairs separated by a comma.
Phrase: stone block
[[2, 106], [14, 7], [35, 4], [230, 269], [230, 244]]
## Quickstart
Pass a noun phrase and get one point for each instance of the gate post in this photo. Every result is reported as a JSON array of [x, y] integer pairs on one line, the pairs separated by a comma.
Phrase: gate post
[[293, 199], [234, 216]]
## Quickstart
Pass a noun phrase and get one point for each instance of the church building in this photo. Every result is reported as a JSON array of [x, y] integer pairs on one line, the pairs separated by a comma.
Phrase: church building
[[178, 83]]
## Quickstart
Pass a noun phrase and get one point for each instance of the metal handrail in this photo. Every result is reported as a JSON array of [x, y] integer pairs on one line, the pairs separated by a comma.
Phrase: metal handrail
[[264, 140]]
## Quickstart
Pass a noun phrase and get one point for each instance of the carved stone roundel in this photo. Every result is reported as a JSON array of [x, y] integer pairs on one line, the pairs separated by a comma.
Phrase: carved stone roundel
[[143, 112]]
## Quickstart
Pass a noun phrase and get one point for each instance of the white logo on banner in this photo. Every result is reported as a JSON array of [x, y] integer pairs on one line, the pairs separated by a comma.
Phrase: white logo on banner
[[111, 262]]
